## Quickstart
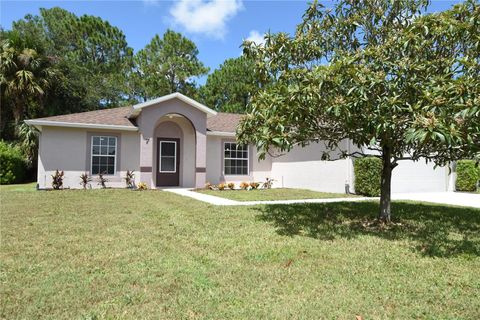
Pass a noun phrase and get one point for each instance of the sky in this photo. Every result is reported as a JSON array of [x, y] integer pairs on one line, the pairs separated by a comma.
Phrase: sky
[[217, 27]]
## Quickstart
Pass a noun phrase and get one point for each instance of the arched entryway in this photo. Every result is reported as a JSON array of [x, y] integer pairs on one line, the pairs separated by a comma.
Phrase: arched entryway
[[191, 117], [174, 152]]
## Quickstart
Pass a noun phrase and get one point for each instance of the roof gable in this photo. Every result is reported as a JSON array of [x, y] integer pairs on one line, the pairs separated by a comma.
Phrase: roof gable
[[176, 95]]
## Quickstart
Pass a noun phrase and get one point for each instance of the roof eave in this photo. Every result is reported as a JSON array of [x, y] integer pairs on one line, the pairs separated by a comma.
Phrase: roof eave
[[221, 134], [40, 123]]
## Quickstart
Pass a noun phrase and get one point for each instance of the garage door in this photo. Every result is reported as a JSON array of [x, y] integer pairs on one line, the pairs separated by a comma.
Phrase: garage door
[[418, 176]]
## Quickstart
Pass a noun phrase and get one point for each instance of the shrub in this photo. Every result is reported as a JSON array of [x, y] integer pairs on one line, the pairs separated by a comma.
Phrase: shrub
[[231, 186], [244, 185], [142, 186], [221, 186], [209, 186], [268, 183], [12, 164], [467, 175], [254, 185], [368, 173], [57, 180], [130, 179], [102, 180], [85, 179]]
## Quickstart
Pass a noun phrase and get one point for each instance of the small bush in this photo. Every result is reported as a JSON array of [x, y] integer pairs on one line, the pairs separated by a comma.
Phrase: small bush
[[209, 186], [221, 186], [12, 164], [368, 173], [467, 175], [84, 180], [130, 179], [254, 185], [57, 180], [102, 180], [268, 183], [142, 186], [244, 185], [231, 186]]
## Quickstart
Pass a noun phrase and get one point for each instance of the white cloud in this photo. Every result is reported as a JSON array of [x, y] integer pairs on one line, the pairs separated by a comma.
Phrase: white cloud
[[207, 17], [256, 37]]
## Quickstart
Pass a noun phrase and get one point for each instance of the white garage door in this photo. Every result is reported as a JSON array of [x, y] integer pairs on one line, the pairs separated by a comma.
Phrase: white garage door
[[411, 176]]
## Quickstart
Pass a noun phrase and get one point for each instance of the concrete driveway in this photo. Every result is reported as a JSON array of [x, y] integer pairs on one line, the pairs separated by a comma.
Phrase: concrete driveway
[[453, 198]]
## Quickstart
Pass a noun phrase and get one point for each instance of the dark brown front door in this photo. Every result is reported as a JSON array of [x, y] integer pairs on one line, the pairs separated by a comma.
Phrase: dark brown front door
[[168, 162]]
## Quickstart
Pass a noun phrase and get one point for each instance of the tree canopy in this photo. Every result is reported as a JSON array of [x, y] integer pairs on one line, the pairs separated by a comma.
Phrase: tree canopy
[[166, 65], [230, 87], [397, 83]]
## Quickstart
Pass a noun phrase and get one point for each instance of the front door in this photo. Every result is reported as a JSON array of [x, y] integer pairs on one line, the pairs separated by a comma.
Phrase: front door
[[168, 162]]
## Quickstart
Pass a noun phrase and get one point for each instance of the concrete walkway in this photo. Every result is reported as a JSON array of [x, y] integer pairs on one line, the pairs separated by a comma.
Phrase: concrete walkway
[[227, 202], [449, 198]]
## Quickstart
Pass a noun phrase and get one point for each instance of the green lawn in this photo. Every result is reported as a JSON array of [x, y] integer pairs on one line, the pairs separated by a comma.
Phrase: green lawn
[[121, 254], [273, 194]]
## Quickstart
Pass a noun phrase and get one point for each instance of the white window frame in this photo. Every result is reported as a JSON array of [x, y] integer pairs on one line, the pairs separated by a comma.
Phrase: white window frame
[[229, 158], [103, 155], [174, 157]]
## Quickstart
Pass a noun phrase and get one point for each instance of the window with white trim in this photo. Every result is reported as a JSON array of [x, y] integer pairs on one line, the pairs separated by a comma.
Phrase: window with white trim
[[104, 154], [235, 159], [168, 157]]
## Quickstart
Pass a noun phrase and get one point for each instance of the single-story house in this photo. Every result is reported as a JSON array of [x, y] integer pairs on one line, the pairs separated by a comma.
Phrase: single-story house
[[176, 141]]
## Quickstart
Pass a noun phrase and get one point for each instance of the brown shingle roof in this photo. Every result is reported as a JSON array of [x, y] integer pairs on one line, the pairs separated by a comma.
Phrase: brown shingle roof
[[224, 122], [114, 116]]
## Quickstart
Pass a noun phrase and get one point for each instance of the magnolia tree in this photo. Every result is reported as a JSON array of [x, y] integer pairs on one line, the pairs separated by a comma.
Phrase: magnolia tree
[[398, 84]]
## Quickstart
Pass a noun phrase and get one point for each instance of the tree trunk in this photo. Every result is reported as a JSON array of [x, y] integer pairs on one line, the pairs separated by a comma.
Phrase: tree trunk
[[18, 111], [386, 185]]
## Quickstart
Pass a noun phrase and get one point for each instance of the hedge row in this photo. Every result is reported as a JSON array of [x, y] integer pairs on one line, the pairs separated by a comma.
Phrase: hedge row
[[468, 175], [12, 164], [368, 173]]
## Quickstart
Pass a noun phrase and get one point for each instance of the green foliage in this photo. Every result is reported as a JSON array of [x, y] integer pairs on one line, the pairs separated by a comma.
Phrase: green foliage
[[25, 75], [166, 65], [94, 57], [368, 172], [397, 82], [468, 175], [57, 180], [12, 164], [67, 63], [28, 136], [230, 87]]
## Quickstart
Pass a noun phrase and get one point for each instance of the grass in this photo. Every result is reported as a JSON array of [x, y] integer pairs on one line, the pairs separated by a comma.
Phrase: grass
[[99, 254], [272, 194]]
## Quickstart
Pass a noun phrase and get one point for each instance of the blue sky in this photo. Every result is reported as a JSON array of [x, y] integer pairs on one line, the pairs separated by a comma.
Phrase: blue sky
[[218, 27]]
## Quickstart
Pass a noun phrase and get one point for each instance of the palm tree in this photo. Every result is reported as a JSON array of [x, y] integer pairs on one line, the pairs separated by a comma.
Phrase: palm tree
[[24, 76], [28, 137]]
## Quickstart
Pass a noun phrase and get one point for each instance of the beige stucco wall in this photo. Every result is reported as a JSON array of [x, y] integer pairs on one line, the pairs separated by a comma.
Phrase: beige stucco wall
[[258, 169], [67, 149], [303, 168], [148, 121]]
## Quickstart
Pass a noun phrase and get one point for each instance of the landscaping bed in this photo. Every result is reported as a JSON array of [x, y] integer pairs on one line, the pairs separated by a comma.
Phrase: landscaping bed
[[272, 194]]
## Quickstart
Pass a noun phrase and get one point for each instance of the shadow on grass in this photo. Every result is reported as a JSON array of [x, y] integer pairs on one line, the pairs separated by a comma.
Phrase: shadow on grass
[[436, 230]]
